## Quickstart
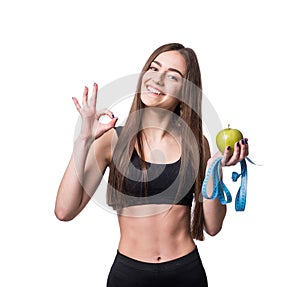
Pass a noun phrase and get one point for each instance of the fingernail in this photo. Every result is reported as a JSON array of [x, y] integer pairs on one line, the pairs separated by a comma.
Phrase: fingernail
[[113, 116], [238, 144], [246, 141], [243, 142], [228, 148]]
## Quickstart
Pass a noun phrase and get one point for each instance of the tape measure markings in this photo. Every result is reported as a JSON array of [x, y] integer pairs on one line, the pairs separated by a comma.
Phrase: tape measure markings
[[220, 190]]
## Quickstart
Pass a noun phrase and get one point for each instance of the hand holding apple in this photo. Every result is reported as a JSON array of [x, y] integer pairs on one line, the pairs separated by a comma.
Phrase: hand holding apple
[[228, 137], [236, 153]]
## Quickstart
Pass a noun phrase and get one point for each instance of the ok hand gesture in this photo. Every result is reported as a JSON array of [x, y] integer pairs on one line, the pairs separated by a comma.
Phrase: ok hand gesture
[[91, 128]]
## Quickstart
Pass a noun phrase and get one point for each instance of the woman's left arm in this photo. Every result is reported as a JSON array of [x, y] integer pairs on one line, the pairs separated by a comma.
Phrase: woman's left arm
[[214, 211]]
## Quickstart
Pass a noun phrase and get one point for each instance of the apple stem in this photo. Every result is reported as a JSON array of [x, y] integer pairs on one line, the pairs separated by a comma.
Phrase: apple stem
[[228, 125]]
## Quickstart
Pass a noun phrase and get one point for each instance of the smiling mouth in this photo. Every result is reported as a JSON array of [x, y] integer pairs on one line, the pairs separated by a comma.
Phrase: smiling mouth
[[154, 91]]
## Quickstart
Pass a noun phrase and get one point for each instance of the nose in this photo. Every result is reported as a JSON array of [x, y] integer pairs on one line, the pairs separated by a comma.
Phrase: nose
[[158, 78]]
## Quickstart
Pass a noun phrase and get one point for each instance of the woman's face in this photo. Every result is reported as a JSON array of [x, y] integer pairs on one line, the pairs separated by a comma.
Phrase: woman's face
[[163, 81]]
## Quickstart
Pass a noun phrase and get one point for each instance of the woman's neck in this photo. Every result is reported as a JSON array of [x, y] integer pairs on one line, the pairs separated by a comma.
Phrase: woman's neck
[[156, 122]]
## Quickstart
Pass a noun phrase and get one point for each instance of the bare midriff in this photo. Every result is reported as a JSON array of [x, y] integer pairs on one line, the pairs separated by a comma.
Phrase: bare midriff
[[155, 233]]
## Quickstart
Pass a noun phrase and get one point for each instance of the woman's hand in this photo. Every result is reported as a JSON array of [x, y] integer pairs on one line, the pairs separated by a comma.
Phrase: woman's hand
[[241, 151], [91, 128]]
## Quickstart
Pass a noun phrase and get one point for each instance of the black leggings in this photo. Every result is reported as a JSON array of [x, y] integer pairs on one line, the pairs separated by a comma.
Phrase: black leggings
[[186, 271]]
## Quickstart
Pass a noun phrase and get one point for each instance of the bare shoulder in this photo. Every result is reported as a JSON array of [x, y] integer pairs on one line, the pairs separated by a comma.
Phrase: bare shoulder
[[206, 149], [104, 146]]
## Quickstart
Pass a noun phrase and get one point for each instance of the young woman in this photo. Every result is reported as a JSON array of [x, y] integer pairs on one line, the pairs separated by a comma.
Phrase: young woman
[[157, 163]]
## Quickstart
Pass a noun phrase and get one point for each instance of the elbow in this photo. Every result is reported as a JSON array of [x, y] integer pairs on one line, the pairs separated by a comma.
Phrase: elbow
[[62, 215], [213, 231]]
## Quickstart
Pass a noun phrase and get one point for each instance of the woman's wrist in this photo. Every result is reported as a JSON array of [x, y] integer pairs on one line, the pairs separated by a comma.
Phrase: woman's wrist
[[210, 161]]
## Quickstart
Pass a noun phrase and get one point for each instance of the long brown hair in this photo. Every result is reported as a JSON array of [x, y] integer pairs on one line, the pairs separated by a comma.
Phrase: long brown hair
[[190, 112]]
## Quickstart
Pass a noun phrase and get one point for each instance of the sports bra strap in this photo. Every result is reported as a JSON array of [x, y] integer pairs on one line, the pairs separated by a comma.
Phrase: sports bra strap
[[118, 130]]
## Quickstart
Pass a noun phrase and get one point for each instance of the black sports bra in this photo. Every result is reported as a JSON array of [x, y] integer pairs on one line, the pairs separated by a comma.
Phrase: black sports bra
[[158, 185]]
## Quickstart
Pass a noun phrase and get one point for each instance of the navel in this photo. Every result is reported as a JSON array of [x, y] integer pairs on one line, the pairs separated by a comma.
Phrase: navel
[[158, 258]]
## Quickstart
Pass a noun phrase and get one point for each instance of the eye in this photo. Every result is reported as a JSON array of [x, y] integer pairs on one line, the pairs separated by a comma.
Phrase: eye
[[172, 77], [152, 68]]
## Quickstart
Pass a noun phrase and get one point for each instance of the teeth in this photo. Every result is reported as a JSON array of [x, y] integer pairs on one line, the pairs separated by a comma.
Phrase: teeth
[[154, 91]]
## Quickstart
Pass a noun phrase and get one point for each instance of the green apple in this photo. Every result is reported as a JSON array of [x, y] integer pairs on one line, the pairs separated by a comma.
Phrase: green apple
[[228, 137]]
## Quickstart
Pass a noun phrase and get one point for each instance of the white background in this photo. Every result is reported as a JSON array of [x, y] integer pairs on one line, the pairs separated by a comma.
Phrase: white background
[[249, 57]]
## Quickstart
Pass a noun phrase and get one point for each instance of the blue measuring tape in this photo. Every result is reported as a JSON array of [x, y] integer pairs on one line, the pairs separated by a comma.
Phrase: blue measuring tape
[[220, 190]]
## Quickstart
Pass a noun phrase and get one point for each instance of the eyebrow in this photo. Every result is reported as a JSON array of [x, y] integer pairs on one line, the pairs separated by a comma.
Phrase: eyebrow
[[170, 69]]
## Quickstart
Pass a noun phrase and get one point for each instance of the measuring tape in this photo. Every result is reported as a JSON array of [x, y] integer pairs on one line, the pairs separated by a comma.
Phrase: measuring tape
[[220, 190]]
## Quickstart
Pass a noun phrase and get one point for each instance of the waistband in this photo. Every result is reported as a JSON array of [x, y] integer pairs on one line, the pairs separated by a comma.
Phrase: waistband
[[164, 266]]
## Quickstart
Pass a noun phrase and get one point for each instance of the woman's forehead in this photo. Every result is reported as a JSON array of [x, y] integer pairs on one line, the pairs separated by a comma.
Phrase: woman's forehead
[[173, 60]]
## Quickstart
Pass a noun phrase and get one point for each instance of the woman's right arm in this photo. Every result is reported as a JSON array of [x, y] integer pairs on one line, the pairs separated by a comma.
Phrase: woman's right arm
[[91, 155]]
